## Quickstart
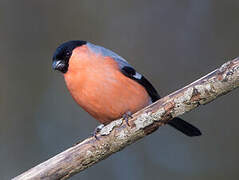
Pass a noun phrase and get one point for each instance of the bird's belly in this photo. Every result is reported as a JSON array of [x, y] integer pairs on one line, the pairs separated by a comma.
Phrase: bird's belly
[[107, 95]]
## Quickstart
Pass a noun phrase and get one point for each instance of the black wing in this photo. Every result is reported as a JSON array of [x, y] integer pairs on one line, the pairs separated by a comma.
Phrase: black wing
[[131, 73], [177, 123]]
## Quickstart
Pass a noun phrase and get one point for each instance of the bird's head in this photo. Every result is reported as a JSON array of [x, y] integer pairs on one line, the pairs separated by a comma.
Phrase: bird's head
[[63, 53]]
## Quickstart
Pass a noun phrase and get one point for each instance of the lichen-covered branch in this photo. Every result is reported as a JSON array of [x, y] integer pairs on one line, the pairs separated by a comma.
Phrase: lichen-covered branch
[[117, 135]]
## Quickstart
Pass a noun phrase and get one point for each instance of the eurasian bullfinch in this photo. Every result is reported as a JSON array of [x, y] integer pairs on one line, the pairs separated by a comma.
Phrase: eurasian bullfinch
[[105, 85]]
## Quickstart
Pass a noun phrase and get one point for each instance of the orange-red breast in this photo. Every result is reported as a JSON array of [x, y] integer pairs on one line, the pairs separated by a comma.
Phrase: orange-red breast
[[105, 85]]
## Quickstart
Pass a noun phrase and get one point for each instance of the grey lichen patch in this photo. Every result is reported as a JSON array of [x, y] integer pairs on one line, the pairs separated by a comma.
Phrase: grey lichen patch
[[203, 89], [143, 121], [107, 129], [187, 95], [207, 92], [158, 114], [185, 98], [182, 103]]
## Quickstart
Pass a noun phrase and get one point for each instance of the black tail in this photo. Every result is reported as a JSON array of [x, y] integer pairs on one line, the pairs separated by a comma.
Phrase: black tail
[[184, 127]]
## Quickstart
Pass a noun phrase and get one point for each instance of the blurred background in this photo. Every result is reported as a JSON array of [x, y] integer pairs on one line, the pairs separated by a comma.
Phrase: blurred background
[[171, 42]]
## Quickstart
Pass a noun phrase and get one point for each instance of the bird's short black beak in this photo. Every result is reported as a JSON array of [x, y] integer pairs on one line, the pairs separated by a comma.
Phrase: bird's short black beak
[[60, 66], [56, 65]]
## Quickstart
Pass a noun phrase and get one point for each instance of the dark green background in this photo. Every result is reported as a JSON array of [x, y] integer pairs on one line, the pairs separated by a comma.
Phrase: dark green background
[[171, 42]]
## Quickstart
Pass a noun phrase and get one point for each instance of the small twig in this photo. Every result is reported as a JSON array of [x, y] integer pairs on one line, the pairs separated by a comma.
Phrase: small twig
[[117, 135]]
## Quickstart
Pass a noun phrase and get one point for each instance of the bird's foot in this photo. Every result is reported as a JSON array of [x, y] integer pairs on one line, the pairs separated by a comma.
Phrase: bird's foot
[[97, 129], [127, 116]]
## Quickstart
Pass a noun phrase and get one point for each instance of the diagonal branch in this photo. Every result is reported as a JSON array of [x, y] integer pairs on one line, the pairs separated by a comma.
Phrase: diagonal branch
[[117, 135]]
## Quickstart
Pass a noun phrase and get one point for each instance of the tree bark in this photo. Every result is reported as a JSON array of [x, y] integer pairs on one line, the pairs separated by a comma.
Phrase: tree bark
[[117, 135]]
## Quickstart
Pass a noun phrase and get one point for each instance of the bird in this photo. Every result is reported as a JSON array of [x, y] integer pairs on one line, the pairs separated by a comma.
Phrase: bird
[[105, 85]]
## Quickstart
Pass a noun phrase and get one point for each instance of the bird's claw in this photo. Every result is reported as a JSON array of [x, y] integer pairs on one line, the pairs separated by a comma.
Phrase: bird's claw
[[97, 129], [126, 117]]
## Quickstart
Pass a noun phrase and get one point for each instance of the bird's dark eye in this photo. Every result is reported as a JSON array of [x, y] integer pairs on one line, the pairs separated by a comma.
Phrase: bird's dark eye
[[68, 53]]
